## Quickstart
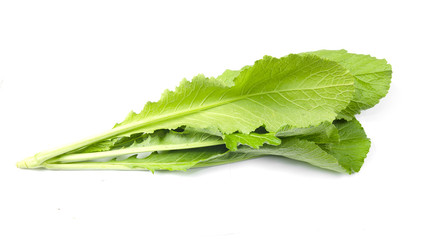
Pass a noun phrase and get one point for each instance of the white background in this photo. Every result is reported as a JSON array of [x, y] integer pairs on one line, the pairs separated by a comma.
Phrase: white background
[[70, 69]]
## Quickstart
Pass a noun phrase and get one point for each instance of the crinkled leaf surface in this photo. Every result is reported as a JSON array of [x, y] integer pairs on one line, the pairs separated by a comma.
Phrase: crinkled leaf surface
[[372, 79]]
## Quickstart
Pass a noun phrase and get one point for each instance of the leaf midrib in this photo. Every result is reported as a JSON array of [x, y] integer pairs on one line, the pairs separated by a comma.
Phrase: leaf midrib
[[138, 124]]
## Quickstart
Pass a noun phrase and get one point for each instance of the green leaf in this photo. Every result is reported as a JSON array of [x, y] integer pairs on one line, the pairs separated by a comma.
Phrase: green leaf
[[254, 140], [372, 79], [352, 147], [295, 90]]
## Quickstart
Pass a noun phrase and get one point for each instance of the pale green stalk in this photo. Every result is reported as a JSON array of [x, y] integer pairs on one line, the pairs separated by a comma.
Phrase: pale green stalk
[[80, 157], [36, 160], [92, 166]]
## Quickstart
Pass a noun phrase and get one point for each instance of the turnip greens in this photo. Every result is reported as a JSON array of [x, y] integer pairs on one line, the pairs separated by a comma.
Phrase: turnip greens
[[301, 106]]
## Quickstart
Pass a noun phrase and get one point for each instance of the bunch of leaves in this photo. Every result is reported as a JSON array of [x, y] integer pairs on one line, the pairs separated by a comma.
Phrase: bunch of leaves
[[301, 106]]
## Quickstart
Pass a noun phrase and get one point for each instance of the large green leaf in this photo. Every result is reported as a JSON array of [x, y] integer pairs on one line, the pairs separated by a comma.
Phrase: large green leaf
[[295, 90], [372, 79]]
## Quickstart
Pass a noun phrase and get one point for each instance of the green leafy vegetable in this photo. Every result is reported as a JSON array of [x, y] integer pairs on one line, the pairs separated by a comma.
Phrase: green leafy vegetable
[[279, 106]]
